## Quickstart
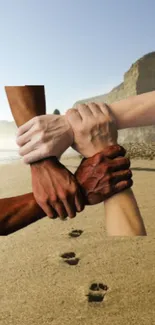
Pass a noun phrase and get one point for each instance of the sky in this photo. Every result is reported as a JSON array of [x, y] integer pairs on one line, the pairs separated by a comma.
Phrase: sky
[[76, 48]]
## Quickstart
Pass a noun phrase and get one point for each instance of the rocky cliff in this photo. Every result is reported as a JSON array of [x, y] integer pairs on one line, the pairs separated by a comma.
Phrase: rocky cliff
[[140, 78]]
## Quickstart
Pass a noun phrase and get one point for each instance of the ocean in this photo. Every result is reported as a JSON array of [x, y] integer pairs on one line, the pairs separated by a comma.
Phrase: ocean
[[8, 156]]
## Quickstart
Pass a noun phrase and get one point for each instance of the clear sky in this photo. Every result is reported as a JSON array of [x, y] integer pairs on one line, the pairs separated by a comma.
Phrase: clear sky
[[76, 48]]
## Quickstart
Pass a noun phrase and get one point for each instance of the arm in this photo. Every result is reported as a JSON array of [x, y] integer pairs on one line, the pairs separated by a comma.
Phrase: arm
[[18, 212], [121, 211], [52, 135], [55, 188], [95, 175], [122, 215], [135, 111]]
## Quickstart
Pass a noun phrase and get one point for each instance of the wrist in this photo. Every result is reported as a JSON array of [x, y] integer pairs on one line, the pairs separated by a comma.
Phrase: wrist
[[70, 133], [98, 149]]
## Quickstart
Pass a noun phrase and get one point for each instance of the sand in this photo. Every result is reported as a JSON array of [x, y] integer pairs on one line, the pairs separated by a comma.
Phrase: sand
[[38, 287]]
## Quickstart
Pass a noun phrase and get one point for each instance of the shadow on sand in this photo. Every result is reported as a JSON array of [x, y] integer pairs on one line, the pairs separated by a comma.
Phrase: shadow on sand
[[143, 169]]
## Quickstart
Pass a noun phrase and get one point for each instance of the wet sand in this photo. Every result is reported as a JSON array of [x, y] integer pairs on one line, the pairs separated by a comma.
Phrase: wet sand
[[39, 286]]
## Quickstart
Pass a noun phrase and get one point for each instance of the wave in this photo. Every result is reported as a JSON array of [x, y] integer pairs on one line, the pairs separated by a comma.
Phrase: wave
[[8, 156]]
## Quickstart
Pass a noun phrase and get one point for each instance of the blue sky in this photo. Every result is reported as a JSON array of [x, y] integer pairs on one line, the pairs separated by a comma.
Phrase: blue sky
[[76, 48]]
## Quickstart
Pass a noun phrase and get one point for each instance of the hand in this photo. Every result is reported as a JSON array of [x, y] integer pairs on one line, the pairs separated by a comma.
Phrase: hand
[[100, 177], [93, 126], [44, 136], [104, 175], [56, 189]]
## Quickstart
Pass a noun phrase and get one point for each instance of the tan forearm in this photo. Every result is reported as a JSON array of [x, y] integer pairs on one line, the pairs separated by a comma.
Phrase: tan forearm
[[135, 111], [18, 212], [26, 102], [122, 215]]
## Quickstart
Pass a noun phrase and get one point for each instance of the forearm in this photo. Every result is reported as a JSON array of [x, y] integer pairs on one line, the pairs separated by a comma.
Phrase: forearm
[[18, 212], [122, 215], [26, 102], [135, 111]]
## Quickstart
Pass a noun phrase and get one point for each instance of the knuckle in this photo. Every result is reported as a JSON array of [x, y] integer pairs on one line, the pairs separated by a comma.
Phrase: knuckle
[[127, 161], [73, 189], [38, 122], [63, 195], [130, 173], [26, 160], [42, 136], [46, 149], [109, 179], [79, 106], [54, 199], [107, 168], [69, 111], [43, 200], [18, 141], [35, 119]]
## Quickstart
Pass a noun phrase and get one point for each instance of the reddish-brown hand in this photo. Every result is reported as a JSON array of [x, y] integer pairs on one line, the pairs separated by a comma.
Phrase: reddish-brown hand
[[104, 175], [98, 178]]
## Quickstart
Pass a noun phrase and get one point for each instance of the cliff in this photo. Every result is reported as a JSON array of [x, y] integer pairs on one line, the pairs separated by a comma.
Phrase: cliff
[[140, 78]]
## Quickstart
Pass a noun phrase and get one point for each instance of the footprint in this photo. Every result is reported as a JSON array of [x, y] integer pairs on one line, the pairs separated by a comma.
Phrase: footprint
[[76, 233], [97, 292], [70, 258]]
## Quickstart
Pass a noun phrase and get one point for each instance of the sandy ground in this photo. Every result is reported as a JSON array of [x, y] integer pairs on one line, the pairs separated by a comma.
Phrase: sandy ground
[[38, 287]]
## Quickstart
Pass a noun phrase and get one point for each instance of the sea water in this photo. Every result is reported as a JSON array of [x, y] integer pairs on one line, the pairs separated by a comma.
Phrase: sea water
[[9, 155]]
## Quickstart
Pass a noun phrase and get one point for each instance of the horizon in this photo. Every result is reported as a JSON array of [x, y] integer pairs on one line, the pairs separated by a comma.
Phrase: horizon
[[107, 89]]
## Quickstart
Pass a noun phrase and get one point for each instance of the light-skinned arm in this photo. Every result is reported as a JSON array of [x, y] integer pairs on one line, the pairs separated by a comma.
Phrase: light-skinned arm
[[135, 111], [94, 129], [47, 135]]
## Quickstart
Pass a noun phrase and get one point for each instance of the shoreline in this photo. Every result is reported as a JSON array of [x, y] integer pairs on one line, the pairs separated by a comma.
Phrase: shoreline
[[144, 151]]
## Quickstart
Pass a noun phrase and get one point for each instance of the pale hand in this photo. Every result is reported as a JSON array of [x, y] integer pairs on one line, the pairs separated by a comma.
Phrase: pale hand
[[94, 128], [44, 136]]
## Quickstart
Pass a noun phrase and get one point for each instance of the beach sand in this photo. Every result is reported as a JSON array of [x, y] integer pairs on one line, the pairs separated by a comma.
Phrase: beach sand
[[38, 287]]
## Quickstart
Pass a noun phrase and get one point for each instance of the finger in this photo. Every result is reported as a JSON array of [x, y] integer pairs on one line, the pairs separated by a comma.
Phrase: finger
[[95, 109], [35, 155], [60, 209], [79, 201], [119, 187], [121, 176], [25, 127], [106, 110], [85, 112], [24, 138], [70, 207], [73, 116], [49, 210], [27, 148], [114, 151], [120, 163]]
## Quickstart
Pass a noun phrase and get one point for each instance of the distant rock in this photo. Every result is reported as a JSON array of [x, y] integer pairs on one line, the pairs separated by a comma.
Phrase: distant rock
[[56, 112]]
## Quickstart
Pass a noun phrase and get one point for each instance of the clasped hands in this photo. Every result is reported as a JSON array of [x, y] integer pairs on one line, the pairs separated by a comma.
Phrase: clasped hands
[[104, 171]]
